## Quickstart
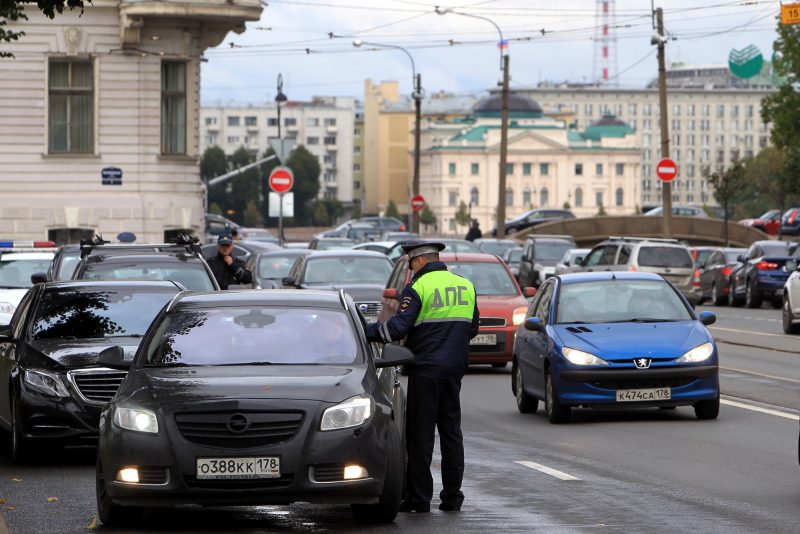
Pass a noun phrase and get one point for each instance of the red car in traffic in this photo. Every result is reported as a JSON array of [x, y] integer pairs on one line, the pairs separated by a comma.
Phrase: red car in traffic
[[770, 222], [501, 302]]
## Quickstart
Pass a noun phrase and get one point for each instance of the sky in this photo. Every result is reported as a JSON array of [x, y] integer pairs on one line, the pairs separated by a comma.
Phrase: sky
[[310, 43]]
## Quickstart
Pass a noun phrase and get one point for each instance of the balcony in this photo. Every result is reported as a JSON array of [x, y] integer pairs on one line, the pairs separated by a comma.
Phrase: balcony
[[212, 127], [331, 147], [331, 128]]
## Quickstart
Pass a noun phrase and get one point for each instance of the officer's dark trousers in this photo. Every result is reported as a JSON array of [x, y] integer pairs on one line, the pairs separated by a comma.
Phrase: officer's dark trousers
[[433, 403]]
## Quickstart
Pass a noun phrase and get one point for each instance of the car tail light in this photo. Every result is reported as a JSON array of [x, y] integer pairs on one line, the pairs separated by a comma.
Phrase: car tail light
[[696, 281], [766, 266], [726, 271], [402, 227]]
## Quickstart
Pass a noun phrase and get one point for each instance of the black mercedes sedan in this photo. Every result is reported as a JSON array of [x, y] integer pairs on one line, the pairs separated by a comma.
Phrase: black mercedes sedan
[[51, 386], [254, 398]]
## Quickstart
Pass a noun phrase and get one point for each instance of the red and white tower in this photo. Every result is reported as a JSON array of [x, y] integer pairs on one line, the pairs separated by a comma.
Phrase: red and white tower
[[605, 44]]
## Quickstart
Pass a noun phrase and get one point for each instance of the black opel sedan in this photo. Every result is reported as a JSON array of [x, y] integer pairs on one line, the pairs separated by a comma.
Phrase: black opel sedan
[[254, 398], [51, 386]]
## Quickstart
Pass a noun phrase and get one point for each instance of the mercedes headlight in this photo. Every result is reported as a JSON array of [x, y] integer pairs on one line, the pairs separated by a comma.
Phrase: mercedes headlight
[[45, 382], [578, 357], [697, 354], [136, 419], [519, 316], [350, 413]]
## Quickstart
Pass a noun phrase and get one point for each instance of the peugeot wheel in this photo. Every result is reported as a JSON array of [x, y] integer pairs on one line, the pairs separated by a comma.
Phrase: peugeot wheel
[[707, 409], [789, 326], [556, 412], [525, 403]]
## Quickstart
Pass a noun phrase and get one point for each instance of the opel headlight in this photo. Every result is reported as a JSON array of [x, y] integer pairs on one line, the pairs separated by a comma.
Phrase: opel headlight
[[136, 419], [519, 316], [350, 413], [45, 382], [578, 357], [697, 354]]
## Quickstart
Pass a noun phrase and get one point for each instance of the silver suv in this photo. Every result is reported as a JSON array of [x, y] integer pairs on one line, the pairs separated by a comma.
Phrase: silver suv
[[667, 257]]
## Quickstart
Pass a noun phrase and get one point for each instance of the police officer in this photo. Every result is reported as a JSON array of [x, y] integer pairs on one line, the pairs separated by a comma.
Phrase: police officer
[[226, 268], [438, 315]]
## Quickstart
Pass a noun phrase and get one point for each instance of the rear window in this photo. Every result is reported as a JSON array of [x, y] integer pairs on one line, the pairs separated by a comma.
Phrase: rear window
[[275, 267], [676, 258], [17, 273], [779, 249], [253, 335], [192, 276], [551, 250], [488, 278]]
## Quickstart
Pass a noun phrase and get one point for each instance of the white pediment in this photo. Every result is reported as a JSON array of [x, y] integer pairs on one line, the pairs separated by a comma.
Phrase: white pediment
[[531, 140]]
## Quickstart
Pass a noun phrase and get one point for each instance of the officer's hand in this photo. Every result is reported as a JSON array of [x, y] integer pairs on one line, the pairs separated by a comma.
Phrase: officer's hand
[[228, 260]]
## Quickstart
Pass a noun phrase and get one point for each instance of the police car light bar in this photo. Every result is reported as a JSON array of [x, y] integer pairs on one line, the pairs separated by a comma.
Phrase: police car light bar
[[12, 245]]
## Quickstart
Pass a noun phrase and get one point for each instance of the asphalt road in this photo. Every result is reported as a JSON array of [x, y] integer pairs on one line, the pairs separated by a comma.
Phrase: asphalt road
[[633, 471]]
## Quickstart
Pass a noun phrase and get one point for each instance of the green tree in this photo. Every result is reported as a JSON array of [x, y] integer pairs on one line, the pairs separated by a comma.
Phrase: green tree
[[320, 215], [427, 217], [566, 205], [13, 10], [244, 186], [727, 184], [215, 209], [356, 214], [462, 215], [392, 211], [252, 215], [601, 210], [305, 166], [264, 170], [772, 173], [333, 208], [213, 163]]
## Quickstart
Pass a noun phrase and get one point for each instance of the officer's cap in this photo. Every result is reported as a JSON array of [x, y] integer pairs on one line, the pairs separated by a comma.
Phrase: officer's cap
[[225, 239], [420, 249]]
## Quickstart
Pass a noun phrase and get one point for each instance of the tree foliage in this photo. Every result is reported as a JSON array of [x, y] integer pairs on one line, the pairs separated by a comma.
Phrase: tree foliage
[[214, 163], [252, 215], [13, 10], [727, 184], [392, 211], [305, 166], [427, 217], [319, 215], [462, 215], [356, 211]]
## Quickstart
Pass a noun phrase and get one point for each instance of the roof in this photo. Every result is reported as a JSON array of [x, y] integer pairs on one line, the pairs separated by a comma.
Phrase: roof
[[142, 257], [347, 253], [607, 126], [113, 284], [574, 278], [518, 105], [275, 297], [285, 252], [468, 256]]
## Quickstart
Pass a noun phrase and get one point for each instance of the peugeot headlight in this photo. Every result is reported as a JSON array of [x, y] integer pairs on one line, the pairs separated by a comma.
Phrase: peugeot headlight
[[7, 307], [350, 413], [578, 357], [45, 382], [519, 316], [697, 354], [136, 419]]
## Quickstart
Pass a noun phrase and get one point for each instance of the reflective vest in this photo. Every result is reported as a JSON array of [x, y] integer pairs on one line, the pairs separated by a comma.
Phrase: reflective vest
[[445, 297]]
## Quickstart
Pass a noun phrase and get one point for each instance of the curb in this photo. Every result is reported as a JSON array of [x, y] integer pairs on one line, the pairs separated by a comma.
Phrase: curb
[[751, 346]]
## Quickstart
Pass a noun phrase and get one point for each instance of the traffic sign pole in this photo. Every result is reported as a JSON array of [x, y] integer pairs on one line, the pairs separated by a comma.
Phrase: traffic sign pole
[[281, 180], [280, 219]]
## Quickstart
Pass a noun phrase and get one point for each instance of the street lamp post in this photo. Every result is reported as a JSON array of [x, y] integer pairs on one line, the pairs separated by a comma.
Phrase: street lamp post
[[417, 95], [279, 99], [504, 59]]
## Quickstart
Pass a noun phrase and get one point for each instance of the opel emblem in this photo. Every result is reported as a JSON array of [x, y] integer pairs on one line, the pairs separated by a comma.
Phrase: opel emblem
[[238, 423], [642, 363]]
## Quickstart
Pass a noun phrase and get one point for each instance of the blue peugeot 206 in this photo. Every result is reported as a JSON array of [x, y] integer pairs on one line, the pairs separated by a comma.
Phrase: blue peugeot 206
[[614, 339]]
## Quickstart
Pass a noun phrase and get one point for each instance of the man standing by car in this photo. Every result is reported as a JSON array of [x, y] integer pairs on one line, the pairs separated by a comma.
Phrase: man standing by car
[[474, 231], [438, 315], [227, 269]]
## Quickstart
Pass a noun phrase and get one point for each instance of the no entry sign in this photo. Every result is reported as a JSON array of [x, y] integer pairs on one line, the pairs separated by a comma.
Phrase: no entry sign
[[417, 203], [281, 179], [667, 170]]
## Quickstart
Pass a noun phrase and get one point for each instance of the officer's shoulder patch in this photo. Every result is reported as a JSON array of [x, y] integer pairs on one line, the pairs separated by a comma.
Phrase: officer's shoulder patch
[[405, 303]]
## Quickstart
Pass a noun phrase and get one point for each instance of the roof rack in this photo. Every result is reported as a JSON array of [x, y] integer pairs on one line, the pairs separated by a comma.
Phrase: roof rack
[[656, 239], [182, 242]]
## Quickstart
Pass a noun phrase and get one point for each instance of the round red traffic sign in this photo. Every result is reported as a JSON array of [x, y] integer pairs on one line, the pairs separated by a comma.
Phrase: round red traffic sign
[[667, 170], [281, 179], [417, 203]]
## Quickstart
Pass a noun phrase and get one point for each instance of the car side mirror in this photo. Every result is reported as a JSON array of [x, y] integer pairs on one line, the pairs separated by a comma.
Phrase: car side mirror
[[707, 318], [529, 292], [394, 355], [289, 281], [6, 333], [38, 278], [114, 358], [740, 258], [578, 262], [534, 324], [390, 293]]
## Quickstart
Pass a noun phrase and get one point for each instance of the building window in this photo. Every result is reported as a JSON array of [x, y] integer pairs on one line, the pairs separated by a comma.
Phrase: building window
[[598, 198], [706, 110], [509, 168], [173, 107], [735, 110], [647, 124], [312, 140], [587, 109], [690, 110], [474, 197], [356, 131], [676, 124], [646, 170], [619, 169], [579, 169], [647, 110], [544, 197], [509, 196], [210, 121], [720, 111], [330, 140], [631, 109], [356, 184], [705, 124], [544, 169], [676, 110], [272, 121], [356, 149], [526, 196], [233, 139], [474, 168], [452, 225], [598, 169], [620, 197], [356, 167], [71, 106], [451, 168], [579, 197], [452, 198], [330, 121], [526, 169], [290, 121], [676, 140], [312, 121], [234, 121], [251, 121]]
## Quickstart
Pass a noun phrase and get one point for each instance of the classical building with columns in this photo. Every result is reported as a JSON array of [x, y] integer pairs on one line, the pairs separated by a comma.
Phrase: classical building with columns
[[99, 118], [548, 164]]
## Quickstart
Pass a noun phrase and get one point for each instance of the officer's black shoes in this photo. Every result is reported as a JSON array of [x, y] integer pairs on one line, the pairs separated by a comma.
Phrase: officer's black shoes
[[449, 507], [418, 507]]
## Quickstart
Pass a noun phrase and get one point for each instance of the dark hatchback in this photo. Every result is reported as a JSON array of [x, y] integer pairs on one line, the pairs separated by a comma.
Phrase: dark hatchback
[[51, 386], [253, 398], [534, 218]]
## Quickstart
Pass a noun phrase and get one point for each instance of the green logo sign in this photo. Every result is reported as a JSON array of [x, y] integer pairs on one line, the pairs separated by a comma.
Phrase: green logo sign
[[746, 63]]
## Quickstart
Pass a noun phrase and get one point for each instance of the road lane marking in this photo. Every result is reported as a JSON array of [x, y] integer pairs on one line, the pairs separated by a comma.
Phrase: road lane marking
[[761, 375], [737, 331], [547, 470], [759, 409]]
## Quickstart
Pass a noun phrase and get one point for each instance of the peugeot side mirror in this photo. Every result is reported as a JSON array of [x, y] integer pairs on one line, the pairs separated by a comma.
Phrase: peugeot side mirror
[[289, 281], [529, 292], [394, 355], [534, 324], [38, 278], [390, 293], [114, 358], [6, 333], [707, 318]]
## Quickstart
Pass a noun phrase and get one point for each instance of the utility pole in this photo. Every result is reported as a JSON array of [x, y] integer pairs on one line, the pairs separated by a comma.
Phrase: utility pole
[[415, 215], [501, 186], [666, 187]]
